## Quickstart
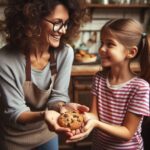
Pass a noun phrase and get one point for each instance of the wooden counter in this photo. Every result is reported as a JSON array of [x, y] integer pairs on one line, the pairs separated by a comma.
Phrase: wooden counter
[[89, 70], [85, 70]]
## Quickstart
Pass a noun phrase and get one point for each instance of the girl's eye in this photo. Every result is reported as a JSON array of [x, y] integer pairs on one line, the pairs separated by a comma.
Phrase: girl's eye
[[101, 44], [110, 44]]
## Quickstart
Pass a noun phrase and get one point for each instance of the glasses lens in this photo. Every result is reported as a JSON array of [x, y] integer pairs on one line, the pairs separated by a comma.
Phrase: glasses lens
[[66, 25], [59, 25]]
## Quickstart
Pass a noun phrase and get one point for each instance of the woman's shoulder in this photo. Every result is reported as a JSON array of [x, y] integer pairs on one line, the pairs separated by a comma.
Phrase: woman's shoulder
[[8, 57], [66, 53], [5, 55], [3, 51], [68, 50]]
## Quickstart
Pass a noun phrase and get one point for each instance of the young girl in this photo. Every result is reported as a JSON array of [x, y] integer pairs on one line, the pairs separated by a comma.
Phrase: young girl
[[120, 96]]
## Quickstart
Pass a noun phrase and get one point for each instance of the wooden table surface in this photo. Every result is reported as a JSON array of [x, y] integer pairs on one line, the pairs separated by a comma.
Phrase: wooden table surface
[[89, 70]]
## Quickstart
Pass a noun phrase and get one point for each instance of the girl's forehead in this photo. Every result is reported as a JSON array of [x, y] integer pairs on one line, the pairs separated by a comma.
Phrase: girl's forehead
[[107, 35]]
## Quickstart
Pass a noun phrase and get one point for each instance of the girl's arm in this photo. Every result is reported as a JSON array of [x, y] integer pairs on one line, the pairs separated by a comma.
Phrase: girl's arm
[[125, 132]]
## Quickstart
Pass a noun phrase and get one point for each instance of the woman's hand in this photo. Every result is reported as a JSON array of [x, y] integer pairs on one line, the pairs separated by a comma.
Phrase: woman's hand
[[51, 118], [74, 107]]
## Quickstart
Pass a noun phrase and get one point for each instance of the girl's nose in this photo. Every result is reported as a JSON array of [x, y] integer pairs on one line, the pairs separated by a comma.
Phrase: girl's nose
[[102, 49]]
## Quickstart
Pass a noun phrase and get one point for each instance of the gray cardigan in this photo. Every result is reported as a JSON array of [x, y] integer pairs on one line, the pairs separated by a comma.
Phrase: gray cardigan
[[12, 77]]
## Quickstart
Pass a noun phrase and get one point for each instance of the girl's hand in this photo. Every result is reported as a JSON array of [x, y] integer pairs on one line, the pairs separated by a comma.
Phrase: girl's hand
[[84, 132], [80, 134], [51, 118], [74, 107], [90, 116]]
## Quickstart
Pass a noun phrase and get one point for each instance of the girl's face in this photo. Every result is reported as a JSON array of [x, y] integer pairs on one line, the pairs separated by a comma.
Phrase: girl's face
[[54, 26], [112, 52]]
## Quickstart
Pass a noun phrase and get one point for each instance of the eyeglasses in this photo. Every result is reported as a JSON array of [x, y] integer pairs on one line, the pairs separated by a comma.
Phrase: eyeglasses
[[57, 25]]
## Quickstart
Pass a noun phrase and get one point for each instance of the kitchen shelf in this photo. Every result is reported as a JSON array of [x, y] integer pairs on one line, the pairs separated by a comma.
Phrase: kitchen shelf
[[134, 6], [142, 7]]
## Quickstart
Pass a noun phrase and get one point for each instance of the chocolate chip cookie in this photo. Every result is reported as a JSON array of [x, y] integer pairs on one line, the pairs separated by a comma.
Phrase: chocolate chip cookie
[[72, 120]]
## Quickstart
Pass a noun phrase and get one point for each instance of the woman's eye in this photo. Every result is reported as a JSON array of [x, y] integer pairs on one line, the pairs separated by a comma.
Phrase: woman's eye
[[57, 23]]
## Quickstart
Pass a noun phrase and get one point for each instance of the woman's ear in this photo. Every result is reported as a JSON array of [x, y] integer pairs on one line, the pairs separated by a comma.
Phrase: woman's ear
[[132, 52]]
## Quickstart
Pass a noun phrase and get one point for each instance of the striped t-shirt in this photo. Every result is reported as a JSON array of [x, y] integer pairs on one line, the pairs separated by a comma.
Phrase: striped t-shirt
[[113, 103]]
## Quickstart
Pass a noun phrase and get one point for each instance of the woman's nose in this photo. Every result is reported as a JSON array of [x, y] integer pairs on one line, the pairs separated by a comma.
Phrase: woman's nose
[[62, 30]]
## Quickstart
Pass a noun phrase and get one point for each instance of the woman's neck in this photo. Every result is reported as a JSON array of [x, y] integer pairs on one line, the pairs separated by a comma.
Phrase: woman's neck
[[39, 57]]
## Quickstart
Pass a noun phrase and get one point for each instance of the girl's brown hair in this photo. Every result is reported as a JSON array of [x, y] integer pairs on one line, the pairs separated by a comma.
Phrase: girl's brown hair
[[129, 32]]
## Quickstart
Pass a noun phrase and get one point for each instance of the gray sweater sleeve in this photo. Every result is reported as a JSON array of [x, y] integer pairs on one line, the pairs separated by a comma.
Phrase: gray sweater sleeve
[[64, 65], [11, 80]]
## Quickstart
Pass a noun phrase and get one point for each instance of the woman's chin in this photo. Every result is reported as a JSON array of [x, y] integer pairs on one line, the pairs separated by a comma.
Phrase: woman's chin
[[55, 44]]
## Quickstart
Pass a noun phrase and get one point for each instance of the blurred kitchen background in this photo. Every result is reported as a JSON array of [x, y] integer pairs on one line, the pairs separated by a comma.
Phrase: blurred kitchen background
[[99, 12]]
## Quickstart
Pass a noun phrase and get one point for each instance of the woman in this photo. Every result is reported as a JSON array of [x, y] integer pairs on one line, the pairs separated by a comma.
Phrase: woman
[[35, 69]]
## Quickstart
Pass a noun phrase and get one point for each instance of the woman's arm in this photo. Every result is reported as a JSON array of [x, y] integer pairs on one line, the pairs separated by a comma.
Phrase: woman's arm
[[61, 84], [30, 117], [49, 116]]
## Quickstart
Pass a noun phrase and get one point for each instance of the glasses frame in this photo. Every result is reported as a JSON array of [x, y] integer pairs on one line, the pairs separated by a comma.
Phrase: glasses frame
[[65, 25]]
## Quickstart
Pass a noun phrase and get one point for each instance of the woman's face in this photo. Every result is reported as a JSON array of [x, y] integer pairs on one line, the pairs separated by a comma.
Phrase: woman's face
[[54, 26]]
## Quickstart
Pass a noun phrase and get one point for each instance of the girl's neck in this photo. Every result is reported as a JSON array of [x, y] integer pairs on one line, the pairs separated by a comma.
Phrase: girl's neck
[[118, 76]]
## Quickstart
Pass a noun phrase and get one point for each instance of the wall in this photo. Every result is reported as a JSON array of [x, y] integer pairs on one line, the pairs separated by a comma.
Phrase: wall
[[2, 42], [99, 16]]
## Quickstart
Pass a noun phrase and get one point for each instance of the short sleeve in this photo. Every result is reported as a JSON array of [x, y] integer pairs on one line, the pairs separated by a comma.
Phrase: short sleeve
[[95, 84], [140, 102]]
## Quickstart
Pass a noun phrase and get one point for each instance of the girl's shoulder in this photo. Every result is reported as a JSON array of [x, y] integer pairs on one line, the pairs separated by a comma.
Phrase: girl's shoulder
[[140, 82], [101, 74]]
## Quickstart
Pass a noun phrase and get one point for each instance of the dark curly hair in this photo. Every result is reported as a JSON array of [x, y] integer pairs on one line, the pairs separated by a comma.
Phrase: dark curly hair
[[19, 19]]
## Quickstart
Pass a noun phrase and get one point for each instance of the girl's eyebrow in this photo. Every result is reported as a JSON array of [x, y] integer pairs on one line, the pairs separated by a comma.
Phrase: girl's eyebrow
[[107, 40]]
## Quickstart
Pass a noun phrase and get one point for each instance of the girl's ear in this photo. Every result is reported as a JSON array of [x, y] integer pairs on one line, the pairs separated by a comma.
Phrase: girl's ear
[[132, 52]]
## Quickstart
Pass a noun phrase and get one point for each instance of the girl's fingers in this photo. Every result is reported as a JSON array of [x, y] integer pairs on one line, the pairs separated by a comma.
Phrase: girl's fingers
[[78, 131], [73, 132], [78, 136], [76, 139]]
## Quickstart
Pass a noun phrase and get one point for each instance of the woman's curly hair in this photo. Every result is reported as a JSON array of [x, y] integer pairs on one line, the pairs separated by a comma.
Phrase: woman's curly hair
[[26, 15]]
